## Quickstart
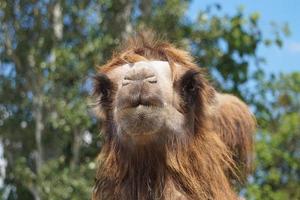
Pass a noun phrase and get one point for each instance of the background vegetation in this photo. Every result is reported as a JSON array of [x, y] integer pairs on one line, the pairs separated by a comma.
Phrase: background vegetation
[[48, 49]]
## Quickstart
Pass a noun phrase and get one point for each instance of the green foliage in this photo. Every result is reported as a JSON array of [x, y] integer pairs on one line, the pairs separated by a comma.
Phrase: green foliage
[[277, 172], [48, 52], [66, 184], [56, 181]]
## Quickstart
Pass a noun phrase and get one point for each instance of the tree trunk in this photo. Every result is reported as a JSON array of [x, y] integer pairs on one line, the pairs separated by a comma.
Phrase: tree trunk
[[38, 100], [57, 21], [38, 133], [117, 20], [146, 10], [39, 126], [75, 149], [35, 193]]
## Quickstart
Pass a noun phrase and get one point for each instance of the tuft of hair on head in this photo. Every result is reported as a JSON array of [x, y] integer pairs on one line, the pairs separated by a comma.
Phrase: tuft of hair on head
[[143, 38], [147, 45]]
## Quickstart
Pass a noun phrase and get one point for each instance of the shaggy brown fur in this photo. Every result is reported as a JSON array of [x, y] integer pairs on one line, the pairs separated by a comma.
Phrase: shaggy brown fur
[[199, 166]]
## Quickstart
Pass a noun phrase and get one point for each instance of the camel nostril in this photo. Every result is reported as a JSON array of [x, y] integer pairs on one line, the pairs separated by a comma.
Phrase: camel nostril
[[128, 78], [151, 79], [126, 82]]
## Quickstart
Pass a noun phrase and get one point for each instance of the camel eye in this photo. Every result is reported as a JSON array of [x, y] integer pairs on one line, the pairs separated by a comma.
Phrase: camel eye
[[102, 85]]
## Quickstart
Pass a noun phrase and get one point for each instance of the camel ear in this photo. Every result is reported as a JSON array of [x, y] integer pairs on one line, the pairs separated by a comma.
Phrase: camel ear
[[102, 85], [102, 92], [190, 81], [189, 85]]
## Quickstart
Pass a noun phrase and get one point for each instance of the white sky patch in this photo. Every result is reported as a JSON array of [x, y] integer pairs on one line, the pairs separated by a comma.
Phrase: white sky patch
[[87, 137], [2, 164], [294, 47], [23, 124]]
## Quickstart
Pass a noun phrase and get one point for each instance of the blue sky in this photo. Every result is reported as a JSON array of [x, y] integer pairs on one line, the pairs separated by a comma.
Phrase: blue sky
[[285, 59]]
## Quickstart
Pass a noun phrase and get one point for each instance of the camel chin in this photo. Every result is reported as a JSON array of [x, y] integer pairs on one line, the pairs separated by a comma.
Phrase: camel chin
[[140, 121]]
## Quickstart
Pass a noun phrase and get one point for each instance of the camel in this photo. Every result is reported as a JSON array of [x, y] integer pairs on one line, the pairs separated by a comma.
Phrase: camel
[[169, 135]]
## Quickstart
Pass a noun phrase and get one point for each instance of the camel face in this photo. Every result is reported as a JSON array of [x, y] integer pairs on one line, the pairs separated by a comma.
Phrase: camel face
[[146, 101]]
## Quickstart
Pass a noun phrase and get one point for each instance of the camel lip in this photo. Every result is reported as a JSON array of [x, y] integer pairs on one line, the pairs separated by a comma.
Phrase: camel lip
[[141, 104], [140, 109], [144, 134]]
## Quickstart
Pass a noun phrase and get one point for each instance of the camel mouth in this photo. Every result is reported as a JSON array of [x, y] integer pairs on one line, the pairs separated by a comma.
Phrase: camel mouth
[[132, 102], [139, 111], [140, 120], [143, 105]]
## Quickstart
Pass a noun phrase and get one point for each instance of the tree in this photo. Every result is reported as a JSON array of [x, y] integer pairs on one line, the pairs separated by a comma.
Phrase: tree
[[48, 50], [278, 141], [44, 112]]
